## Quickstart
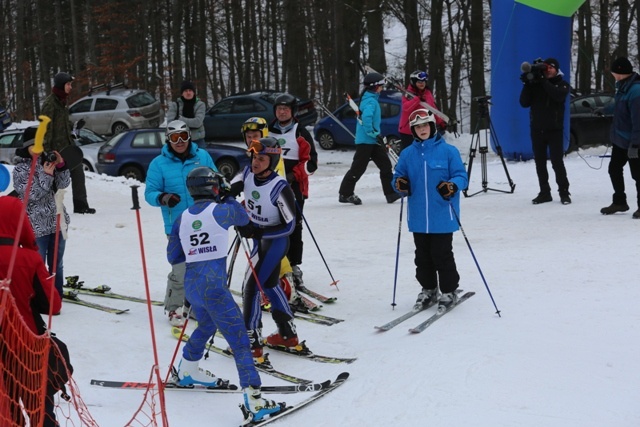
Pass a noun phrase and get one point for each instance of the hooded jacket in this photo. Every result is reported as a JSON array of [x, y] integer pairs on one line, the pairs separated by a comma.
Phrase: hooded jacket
[[168, 174], [371, 116], [30, 286], [58, 134], [426, 164]]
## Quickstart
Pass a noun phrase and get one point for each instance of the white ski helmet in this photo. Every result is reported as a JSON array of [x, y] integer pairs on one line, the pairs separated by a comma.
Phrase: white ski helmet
[[176, 127], [422, 116]]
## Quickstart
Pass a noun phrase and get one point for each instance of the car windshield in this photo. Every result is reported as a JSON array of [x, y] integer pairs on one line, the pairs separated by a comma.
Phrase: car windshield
[[140, 99]]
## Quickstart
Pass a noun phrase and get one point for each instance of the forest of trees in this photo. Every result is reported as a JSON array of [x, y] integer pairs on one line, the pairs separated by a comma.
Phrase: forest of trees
[[312, 48]]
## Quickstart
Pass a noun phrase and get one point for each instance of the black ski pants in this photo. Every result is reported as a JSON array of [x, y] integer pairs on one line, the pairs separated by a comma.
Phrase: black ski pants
[[365, 153], [435, 264]]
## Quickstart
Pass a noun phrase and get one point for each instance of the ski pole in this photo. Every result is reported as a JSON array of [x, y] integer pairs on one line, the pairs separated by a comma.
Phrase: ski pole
[[395, 276], [334, 281], [474, 258], [156, 366]]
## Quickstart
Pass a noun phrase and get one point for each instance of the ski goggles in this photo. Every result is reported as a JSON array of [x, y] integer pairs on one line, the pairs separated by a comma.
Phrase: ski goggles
[[419, 117], [258, 147], [177, 137], [422, 76]]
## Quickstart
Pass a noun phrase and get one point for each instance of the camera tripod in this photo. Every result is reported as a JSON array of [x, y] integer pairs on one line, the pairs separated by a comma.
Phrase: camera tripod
[[483, 148]]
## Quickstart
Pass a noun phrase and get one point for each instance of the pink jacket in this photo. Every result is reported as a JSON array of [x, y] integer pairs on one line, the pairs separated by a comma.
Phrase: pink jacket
[[410, 105]]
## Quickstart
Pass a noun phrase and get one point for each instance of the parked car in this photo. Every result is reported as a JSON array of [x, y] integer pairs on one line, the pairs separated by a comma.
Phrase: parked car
[[586, 127], [116, 109], [330, 134], [224, 119], [130, 153], [5, 118], [88, 141], [9, 141]]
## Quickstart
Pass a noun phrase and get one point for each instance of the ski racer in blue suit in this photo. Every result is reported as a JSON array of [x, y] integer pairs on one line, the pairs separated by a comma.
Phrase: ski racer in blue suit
[[430, 172], [270, 203], [166, 187], [200, 238]]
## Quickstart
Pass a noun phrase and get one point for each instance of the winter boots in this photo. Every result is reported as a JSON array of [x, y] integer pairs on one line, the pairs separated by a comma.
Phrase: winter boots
[[564, 197], [543, 198], [425, 297], [297, 275], [176, 318], [614, 208], [190, 373], [256, 407], [350, 199], [255, 339]]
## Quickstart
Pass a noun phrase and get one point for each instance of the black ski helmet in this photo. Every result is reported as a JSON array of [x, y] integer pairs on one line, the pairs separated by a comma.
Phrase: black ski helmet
[[417, 76], [205, 183], [268, 146], [373, 79], [288, 100]]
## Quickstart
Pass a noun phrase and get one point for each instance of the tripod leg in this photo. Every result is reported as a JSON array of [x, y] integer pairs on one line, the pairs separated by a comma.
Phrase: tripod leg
[[472, 154], [499, 151]]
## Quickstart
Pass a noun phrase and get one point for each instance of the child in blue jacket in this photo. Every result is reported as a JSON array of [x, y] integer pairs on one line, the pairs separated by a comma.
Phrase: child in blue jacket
[[431, 173]]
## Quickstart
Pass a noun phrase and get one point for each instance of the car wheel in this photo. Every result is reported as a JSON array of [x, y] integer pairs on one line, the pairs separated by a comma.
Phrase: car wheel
[[133, 172], [228, 167], [119, 128], [326, 141], [87, 166]]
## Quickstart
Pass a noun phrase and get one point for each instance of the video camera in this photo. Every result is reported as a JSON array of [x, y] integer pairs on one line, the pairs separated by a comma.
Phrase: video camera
[[532, 73], [49, 156]]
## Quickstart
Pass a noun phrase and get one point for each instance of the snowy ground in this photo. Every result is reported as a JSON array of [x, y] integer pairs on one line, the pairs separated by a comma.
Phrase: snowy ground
[[564, 277]]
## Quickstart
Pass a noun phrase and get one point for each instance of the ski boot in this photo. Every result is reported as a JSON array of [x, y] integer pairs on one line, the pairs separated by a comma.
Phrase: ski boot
[[255, 407], [425, 298], [447, 300], [189, 373]]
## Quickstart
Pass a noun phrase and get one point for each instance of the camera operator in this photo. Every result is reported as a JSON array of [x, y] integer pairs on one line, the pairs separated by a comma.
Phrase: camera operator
[[545, 92]]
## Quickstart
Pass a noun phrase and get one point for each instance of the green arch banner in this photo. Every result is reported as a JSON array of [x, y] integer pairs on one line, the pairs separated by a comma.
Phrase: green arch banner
[[554, 7]]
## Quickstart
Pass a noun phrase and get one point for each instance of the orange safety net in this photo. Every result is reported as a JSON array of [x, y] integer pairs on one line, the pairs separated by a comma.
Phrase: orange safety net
[[23, 368]]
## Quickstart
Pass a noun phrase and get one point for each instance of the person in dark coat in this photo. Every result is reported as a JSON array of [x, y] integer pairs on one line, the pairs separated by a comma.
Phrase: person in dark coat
[[625, 135], [546, 97]]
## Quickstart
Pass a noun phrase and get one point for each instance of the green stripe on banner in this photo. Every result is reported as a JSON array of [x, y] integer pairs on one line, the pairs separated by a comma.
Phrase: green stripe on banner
[[554, 7]]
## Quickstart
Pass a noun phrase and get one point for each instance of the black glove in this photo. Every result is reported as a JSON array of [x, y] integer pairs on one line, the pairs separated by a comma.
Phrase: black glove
[[447, 189], [380, 140], [402, 185], [312, 166], [169, 199], [632, 153], [250, 231]]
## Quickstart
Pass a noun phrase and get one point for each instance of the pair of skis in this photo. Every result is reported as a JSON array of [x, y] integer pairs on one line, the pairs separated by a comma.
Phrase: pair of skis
[[428, 322], [74, 288]]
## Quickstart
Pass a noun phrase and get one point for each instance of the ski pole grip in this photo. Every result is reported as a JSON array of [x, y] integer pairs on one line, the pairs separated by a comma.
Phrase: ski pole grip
[[134, 197], [42, 130]]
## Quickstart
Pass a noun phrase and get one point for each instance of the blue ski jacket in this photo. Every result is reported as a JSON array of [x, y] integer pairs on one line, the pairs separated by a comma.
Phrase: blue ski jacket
[[167, 173], [371, 116], [625, 129], [426, 164]]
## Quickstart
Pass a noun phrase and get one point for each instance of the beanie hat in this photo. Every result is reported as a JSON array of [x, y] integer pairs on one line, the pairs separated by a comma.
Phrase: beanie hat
[[61, 79], [187, 85], [553, 62], [29, 136], [621, 66]]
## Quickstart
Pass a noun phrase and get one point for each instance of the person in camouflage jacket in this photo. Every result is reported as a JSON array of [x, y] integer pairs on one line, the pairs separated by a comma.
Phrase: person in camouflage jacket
[[58, 137]]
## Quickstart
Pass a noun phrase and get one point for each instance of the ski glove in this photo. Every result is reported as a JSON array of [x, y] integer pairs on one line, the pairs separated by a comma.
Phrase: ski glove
[[633, 152], [447, 189], [402, 185], [169, 199], [250, 231], [380, 140]]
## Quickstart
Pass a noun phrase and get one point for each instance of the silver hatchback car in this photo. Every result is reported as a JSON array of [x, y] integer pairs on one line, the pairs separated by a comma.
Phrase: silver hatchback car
[[109, 110]]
